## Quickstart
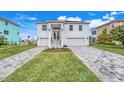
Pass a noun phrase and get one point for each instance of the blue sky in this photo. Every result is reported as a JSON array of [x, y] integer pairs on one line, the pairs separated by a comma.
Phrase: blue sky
[[28, 19]]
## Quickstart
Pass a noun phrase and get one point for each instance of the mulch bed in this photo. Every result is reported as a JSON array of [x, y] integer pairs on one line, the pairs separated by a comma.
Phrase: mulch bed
[[57, 50]]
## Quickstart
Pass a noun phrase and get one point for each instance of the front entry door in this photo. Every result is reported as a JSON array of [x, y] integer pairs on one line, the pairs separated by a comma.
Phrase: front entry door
[[56, 39]]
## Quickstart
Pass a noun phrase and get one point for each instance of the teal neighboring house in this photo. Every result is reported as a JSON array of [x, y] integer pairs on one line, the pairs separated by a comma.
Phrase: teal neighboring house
[[10, 30]]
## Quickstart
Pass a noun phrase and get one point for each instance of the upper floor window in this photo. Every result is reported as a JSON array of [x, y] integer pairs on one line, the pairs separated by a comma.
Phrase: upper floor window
[[6, 23], [6, 32], [112, 25], [94, 32], [71, 27], [56, 28], [80, 27], [18, 33], [44, 27]]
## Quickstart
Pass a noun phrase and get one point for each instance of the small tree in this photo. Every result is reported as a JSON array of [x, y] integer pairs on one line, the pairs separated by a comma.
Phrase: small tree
[[3, 40], [117, 34], [103, 37]]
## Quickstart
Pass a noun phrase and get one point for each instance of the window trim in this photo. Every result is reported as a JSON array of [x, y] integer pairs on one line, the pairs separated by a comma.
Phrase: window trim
[[6, 32], [43, 27], [94, 32], [81, 28], [6, 23], [112, 25], [18, 33], [70, 28]]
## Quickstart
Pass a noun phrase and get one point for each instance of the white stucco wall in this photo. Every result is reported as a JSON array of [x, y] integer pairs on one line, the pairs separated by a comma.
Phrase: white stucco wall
[[76, 37], [70, 38], [42, 36]]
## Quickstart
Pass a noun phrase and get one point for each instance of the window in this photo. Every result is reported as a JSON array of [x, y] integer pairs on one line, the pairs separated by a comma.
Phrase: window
[[80, 27], [6, 32], [0, 32], [18, 33], [56, 28], [6, 23], [94, 32], [44, 27], [112, 25], [93, 39], [71, 27]]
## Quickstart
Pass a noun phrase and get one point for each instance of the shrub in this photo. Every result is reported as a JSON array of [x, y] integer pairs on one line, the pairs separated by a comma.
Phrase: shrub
[[3, 40], [117, 34], [65, 46], [103, 38]]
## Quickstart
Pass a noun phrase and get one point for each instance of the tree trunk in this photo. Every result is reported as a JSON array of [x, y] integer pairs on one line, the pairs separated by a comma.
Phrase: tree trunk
[[123, 44]]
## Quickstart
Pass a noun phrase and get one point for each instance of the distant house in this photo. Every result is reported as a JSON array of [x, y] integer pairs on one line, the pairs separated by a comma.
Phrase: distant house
[[109, 26], [56, 34], [10, 30]]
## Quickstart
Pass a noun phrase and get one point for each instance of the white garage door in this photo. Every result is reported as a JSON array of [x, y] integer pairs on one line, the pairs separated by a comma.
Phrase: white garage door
[[76, 41], [43, 42]]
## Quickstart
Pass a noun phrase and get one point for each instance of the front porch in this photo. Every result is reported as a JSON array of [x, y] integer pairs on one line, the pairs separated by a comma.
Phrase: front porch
[[55, 39]]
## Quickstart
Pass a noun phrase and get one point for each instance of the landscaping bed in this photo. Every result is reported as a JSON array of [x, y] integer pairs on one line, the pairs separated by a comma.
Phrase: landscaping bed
[[57, 50], [56, 66]]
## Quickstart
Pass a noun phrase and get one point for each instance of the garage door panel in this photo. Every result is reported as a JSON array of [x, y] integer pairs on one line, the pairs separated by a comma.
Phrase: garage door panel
[[73, 42], [43, 42]]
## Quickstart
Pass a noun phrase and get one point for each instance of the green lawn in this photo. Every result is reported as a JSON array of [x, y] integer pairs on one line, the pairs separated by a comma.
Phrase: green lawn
[[3, 46], [12, 50], [53, 67], [111, 48]]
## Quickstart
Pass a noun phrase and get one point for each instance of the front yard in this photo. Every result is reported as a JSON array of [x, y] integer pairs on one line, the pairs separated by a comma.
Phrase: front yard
[[111, 48], [53, 66], [7, 51]]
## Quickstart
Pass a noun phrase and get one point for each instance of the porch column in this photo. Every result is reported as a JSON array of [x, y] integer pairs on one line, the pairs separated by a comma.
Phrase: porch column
[[49, 36], [62, 29]]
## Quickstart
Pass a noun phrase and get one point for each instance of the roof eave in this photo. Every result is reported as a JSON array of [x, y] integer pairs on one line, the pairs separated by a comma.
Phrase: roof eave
[[1, 18]]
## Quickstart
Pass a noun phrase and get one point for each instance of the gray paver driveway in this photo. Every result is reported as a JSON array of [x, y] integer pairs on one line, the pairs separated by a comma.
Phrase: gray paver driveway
[[108, 66], [10, 64]]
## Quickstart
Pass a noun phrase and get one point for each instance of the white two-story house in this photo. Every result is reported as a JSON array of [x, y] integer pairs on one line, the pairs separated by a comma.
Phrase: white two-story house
[[56, 34]]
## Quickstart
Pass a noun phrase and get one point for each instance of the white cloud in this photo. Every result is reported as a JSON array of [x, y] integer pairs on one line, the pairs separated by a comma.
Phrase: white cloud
[[111, 15], [114, 13], [111, 18], [106, 16], [91, 14], [21, 24], [69, 18], [96, 22], [32, 18], [61, 18], [24, 17]]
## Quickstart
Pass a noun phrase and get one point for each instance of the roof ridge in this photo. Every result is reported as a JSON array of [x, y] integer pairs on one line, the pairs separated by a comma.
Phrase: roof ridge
[[116, 20], [4, 19]]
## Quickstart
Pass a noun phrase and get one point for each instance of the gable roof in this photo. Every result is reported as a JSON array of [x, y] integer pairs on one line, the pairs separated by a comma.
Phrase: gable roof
[[4, 19], [108, 23], [63, 21]]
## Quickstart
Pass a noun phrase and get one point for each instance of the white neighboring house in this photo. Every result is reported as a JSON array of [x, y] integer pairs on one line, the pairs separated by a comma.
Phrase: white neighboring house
[[56, 34]]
